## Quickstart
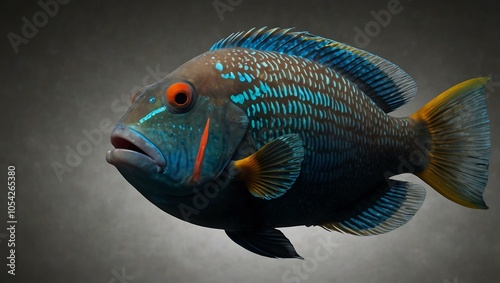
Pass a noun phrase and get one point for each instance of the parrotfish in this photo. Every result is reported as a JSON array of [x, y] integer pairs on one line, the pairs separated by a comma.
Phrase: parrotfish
[[275, 128]]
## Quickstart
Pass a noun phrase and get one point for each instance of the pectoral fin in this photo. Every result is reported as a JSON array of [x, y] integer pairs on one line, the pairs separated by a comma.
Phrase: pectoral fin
[[273, 169], [267, 242]]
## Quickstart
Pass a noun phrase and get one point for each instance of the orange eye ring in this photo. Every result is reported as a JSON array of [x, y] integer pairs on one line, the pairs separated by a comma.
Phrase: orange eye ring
[[179, 95]]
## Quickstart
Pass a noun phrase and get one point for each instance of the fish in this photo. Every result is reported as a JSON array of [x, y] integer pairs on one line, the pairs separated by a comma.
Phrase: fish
[[274, 127]]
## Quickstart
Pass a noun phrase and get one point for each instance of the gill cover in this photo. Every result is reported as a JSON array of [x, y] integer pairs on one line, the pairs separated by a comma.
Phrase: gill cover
[[196, 134]]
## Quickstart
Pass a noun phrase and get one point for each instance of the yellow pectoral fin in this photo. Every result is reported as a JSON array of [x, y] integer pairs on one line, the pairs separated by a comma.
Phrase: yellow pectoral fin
[[273, 169]]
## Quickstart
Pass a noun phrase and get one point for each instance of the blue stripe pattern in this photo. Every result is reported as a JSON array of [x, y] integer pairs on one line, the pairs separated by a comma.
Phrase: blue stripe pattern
[[284, 94], [388, 85]]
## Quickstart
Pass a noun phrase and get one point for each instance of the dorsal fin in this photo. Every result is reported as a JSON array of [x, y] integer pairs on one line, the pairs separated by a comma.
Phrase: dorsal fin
[[384, 82]]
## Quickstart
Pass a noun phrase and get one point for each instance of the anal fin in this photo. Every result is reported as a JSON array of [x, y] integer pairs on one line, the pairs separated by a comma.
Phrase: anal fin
[[381, 212], [267, 242]]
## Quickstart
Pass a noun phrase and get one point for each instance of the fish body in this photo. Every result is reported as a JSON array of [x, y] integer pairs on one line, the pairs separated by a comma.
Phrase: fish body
[[275, 128]]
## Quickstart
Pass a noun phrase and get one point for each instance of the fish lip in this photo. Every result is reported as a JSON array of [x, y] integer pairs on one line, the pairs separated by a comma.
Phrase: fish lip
[[150, 150]]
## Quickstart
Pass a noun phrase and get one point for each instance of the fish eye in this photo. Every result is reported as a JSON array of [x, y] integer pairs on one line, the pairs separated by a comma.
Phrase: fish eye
[[179, 97]]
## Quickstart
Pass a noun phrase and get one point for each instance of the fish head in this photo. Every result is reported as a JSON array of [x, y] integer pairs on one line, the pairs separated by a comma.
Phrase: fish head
[[179, 133]]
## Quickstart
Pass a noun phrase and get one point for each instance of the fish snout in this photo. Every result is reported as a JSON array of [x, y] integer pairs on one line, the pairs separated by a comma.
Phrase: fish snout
[[134, 149]]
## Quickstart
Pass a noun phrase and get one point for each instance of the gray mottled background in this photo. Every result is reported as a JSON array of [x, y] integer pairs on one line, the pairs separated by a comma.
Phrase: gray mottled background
[[76, 73]]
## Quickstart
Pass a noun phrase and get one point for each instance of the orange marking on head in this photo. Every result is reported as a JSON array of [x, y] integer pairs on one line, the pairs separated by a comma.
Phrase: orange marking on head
[[201, 153]]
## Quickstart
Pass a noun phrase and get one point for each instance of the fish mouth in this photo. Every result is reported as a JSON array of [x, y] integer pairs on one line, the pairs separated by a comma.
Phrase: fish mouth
[[133, 149]]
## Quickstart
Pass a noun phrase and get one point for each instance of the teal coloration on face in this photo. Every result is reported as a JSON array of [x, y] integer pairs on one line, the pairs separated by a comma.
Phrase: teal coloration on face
[[171, 137], [152, 113]]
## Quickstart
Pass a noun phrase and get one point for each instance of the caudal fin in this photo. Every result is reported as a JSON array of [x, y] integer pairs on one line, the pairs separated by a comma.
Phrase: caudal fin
[[459, 131]]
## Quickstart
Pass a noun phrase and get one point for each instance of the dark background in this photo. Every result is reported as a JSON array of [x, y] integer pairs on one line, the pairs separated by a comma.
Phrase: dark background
[[89, 225]]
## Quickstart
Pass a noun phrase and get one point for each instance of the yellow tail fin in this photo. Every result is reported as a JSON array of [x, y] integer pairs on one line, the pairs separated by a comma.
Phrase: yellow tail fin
[[459, 130]]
